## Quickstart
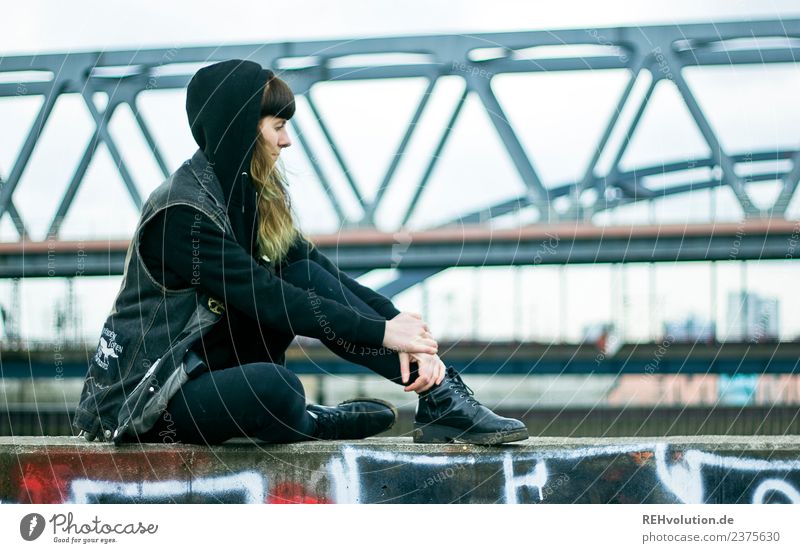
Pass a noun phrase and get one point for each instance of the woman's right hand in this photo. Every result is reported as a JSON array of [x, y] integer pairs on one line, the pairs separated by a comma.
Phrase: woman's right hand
[[408, 332]]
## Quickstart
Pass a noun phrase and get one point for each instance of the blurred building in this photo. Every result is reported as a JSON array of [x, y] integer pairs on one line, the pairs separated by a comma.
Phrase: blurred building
[[752, 318], [691, 329]]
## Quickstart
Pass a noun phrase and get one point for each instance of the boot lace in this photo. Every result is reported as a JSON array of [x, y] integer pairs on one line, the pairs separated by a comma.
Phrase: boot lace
[[329, 421], [461, 388]]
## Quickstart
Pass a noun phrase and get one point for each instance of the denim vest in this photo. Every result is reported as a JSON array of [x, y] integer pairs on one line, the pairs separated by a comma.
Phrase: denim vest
[[143, 355]]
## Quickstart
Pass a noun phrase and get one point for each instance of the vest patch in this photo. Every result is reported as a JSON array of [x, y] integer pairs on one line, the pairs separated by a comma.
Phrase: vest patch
[[108, 348]]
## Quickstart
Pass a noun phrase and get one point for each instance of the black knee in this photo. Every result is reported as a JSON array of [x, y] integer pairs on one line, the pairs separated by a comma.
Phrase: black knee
[[277, 388]]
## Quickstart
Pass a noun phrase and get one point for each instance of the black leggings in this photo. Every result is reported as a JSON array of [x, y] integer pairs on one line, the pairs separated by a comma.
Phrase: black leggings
[[254, 395]]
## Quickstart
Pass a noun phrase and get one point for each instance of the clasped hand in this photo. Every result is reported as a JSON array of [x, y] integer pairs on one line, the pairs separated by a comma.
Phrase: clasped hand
[[410, 336]]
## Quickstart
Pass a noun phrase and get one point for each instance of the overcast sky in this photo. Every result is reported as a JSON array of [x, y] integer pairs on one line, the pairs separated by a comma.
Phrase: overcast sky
[[527, 300], [46, 26]]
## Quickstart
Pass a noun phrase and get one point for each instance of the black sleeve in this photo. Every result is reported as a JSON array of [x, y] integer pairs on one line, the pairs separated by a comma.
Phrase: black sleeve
[[380, 303], [197, 251]]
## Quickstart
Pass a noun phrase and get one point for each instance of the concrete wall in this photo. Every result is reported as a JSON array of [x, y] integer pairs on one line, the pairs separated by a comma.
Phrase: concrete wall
[[542, 470]]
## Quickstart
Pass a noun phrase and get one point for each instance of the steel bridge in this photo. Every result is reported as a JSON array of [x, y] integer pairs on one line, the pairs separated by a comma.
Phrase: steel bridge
[[649, 55], [507, 358]]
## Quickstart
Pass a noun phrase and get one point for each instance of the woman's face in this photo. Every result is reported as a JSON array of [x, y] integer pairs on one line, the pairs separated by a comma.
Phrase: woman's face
[[273, 129]]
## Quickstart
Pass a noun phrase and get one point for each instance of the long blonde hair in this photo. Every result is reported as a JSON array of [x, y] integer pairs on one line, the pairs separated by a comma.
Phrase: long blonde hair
[[276, 230]]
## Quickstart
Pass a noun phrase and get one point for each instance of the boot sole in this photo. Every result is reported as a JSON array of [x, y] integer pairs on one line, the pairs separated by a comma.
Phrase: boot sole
[[380, 401], [441, 434]]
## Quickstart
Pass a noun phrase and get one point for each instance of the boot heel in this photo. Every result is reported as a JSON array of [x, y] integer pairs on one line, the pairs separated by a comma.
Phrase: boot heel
[[435, 434]]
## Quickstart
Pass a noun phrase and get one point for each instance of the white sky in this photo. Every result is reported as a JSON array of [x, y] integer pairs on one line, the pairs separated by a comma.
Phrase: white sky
[[47, 26], [530, 307]]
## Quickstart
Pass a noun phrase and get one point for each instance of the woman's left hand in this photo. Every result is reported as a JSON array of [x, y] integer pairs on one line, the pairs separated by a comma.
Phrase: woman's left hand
[[430, 371]]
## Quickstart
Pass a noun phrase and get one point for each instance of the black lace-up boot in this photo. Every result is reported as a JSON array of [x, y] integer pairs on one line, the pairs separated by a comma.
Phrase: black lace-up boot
[[353, 419], [449, 412]]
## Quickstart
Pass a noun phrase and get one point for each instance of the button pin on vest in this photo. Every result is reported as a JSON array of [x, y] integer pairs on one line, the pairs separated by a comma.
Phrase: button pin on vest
[[216, 306]]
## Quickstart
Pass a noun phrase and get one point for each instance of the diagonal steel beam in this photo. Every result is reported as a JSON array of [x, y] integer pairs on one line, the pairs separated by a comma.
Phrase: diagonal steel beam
[[721, 157], [149, 138], [16, 219], [788, 189], [588, 175], [101, 124], [520, 159], [323, 178], [613, 175], [497, 210], [80, 170], [434, 157], [28, 146], [405, 280], [19, 224], [348, 174], [369, 216]]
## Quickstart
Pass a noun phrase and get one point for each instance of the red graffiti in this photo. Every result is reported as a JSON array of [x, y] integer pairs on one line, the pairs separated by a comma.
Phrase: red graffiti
[[291, 492], [46, 483], [641, 457]]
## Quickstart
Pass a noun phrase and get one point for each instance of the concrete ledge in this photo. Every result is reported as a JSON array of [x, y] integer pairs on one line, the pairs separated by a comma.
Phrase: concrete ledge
[[710, 469]]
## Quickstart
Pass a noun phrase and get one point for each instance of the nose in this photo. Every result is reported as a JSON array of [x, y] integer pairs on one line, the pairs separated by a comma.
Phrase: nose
[[284, 141]]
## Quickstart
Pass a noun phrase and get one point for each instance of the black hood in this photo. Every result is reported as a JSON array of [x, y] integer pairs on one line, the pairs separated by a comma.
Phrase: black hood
[[223, 102]]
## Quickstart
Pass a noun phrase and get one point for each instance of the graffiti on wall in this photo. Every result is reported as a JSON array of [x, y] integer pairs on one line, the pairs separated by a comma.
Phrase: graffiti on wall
[[644, 472], [636, 473], [242, 487]]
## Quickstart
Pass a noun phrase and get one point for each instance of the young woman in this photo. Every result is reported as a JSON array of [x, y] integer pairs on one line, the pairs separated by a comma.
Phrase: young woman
[[219, 280]]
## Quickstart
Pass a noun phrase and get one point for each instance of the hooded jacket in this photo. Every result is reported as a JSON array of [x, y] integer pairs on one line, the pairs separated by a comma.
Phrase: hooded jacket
[[223, 102], [145, 351]]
